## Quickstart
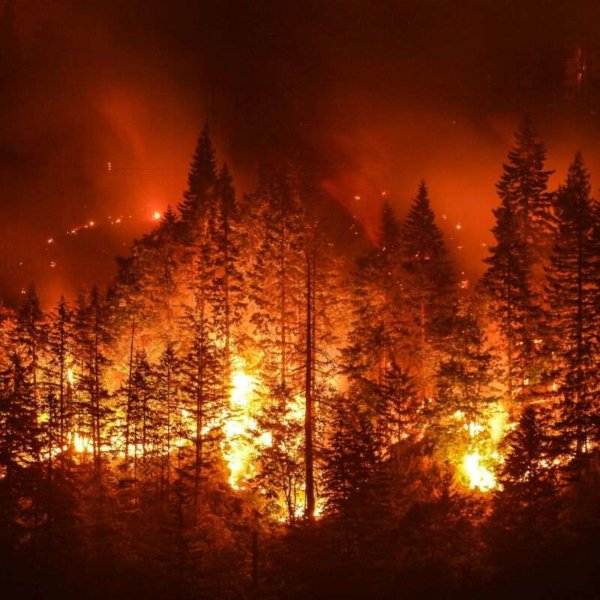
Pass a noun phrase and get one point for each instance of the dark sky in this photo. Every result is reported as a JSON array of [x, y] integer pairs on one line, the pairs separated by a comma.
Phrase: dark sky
[[380, 93]]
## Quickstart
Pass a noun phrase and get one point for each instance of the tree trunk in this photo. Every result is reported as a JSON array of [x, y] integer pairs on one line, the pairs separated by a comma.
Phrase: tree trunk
[[309, 386]]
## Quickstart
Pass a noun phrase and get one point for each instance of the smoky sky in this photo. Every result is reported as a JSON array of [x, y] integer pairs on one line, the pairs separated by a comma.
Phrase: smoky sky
[[101, 102]]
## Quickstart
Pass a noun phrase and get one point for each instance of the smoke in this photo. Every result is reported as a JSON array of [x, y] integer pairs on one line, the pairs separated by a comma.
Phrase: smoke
[[102, 101]]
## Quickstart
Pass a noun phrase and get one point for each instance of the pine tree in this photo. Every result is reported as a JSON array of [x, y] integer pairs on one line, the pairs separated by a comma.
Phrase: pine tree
[[169, 405], [58, 376], [377, 304], [466, 396], [281, 468], [20, 451], [572, 296], [229, 282], [202, 362], [523, 187], [161, 269], [93, 333], [377, 340], [514, 278], [30, 337], [431, 285], [394, 410], [202, 179], [350, 458], [140, 414], [277, 274], [514, 304], [276, 280], [524, 522]]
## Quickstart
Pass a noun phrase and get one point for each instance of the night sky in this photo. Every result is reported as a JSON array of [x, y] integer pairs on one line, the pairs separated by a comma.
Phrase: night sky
[[101, 103]]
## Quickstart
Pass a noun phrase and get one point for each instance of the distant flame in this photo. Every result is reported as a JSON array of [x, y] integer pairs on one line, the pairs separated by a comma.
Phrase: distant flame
[[80, 443], [480, 477]]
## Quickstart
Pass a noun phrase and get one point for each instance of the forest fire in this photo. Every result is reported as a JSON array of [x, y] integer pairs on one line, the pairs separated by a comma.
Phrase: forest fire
[[295, 382]]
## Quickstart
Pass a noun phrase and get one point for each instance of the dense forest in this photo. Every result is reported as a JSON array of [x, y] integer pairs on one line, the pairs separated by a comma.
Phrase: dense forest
[[266, 404]]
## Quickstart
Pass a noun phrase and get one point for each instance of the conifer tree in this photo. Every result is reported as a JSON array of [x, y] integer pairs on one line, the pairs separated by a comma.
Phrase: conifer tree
[[229, 301], [20, 453], [58, 374], [140, 414], [514, 278], [350, 458], [169, 405], [376, 341], [431, 285], [93, 337], [161, 282], [394, 410], [526, 506], [572, 295], [466, 395], [30, 337], [202, 361], [377, 302], [277, 274], [281, 468], [276, 283], [202, 179], [514, 303], [523, 187]]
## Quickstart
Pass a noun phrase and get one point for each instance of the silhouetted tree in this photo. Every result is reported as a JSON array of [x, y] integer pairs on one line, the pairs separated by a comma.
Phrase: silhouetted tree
[[572, 296]]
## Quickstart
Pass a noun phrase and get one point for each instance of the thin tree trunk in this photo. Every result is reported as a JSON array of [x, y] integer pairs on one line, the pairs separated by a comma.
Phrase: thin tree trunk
[[309, 387], [129, 391]]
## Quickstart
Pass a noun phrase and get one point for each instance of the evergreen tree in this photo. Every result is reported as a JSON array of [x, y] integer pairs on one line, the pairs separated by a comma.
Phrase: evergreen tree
[[20, 454], [524, 523], [431, 285], [377, 305], [466, 396], [523, 187], [514, 278], [514, 304], [277, 275], [276, 282], [30, 337], [350, 458], [58, 376], [93, 337], [280, 461], [230, 302], [202, 179], [202, 362], [572, 296], [169, 405], [140, 415]]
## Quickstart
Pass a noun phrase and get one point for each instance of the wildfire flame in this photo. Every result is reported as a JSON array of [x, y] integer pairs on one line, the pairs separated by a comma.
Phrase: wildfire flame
[[238, 448], [479, 476], [80, 443]]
